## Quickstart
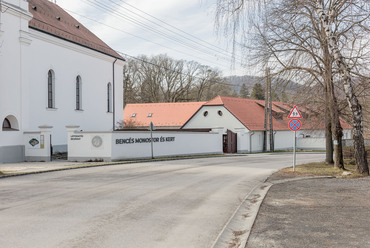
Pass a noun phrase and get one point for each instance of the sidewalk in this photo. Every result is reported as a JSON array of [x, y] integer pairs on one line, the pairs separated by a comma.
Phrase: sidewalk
[[60, 164], [314, 213], [34, 167]]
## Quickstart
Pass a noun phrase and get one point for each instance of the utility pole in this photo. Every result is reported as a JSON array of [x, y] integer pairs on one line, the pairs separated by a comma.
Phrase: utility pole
[[270, 110], [266, 113]]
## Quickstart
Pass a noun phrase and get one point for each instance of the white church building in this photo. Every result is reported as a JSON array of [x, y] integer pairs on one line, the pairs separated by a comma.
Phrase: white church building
[[54, 72]]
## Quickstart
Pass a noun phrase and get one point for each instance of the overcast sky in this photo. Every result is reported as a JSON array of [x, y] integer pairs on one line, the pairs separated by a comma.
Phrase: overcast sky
[[182, 29]]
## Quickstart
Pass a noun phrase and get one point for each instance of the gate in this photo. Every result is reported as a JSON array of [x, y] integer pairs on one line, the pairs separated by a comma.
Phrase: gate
[[229, 142]]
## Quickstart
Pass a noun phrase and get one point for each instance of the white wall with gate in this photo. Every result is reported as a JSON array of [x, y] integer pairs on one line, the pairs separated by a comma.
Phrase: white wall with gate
[[123, 145], [252, 141]]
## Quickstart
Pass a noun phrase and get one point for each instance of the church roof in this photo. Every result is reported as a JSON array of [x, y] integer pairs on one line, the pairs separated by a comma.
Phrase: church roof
[[52, 19]]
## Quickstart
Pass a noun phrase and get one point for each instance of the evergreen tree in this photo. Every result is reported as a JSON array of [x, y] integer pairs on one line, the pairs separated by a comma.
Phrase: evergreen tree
[[258, 92], [244, 93]]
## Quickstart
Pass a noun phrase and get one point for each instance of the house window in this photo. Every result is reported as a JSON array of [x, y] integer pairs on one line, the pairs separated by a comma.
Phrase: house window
[[205, 113], [51, 89], [109, 98], [78, 93], [220, 113]]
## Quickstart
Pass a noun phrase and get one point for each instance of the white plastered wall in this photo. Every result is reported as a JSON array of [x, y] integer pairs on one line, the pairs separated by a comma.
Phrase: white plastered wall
[[212, 120], [69, 61]]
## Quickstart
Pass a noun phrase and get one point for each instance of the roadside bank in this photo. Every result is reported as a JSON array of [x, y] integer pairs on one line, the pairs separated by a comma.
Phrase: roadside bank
[[314, 213]]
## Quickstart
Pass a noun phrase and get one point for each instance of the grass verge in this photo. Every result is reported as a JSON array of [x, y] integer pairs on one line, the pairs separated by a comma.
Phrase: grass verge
[[317, 169]]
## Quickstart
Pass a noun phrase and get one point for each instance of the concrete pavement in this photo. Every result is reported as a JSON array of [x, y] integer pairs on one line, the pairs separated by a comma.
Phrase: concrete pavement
[[315, 213], [235, 231], [178, 203]]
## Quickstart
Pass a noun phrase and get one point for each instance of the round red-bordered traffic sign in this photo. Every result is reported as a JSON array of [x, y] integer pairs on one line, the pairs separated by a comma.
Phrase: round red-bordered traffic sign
[[295, 124]]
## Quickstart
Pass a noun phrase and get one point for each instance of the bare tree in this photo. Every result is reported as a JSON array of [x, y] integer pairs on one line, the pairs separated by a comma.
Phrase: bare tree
[[327, 19], [163, 79], [294, 39]]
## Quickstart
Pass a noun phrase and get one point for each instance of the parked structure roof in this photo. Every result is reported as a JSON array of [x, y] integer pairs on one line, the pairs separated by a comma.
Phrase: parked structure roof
[[169, 115], [49, 18]]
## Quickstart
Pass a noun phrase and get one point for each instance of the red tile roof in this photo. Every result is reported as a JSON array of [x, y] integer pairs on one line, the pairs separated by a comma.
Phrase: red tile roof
[[163, 114], [52, 19], [249, 112]]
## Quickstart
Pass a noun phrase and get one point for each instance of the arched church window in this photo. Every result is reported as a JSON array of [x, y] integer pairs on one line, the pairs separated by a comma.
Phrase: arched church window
[[51, 89], [78, 93], [109, 98]]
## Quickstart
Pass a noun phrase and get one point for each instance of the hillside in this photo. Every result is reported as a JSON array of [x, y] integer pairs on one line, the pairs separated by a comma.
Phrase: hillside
[[279, 85]]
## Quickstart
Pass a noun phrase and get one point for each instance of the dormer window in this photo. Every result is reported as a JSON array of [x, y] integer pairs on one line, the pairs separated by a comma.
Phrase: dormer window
[[133, 115], [150, 114], [58, 18], [34, 8], [77, 26]]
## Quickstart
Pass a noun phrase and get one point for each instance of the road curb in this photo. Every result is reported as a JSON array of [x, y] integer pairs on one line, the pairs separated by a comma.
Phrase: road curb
[[237, 230]]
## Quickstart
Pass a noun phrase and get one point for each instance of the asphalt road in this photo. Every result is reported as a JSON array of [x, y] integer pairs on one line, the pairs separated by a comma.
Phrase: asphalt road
[[184, 203]]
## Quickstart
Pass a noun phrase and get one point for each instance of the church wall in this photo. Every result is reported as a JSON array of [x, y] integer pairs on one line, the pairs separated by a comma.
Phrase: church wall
[[13, 39], [67, 62], [26, 56]]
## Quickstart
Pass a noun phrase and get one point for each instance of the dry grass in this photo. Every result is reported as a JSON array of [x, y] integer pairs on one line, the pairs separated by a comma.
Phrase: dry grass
[[317, 169]]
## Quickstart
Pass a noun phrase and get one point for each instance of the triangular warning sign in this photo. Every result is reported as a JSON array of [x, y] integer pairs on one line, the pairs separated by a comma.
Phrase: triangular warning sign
[[295, 114]]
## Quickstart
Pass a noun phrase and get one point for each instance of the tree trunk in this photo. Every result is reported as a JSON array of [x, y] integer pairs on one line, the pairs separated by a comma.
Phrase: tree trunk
[[337, 130], [328, 134], [359, 146]]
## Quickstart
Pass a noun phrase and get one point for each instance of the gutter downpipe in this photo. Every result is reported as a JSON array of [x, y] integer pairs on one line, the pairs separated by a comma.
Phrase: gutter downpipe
[[114, 97], [250, 141]]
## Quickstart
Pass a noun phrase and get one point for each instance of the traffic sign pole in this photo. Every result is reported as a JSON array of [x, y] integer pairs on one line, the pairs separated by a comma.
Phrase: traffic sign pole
[[294, 149], [295, 125], [151, 127]]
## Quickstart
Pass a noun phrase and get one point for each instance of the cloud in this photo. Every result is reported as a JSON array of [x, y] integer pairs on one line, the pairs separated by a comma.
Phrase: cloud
[[136, 33]]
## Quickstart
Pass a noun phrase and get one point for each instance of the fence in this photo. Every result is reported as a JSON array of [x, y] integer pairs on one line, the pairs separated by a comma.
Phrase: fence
[[123, 145]]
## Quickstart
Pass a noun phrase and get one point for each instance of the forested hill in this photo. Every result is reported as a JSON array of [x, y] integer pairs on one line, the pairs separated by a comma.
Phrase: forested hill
[[279, 85]]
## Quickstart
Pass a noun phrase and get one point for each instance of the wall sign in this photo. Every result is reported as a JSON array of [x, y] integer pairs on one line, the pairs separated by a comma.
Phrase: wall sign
[[97, 141], [144, 140], [76, 137], [35, 141]]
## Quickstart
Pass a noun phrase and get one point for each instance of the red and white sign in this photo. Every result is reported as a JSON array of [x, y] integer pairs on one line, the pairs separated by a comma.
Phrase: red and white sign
[[295, 114]]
